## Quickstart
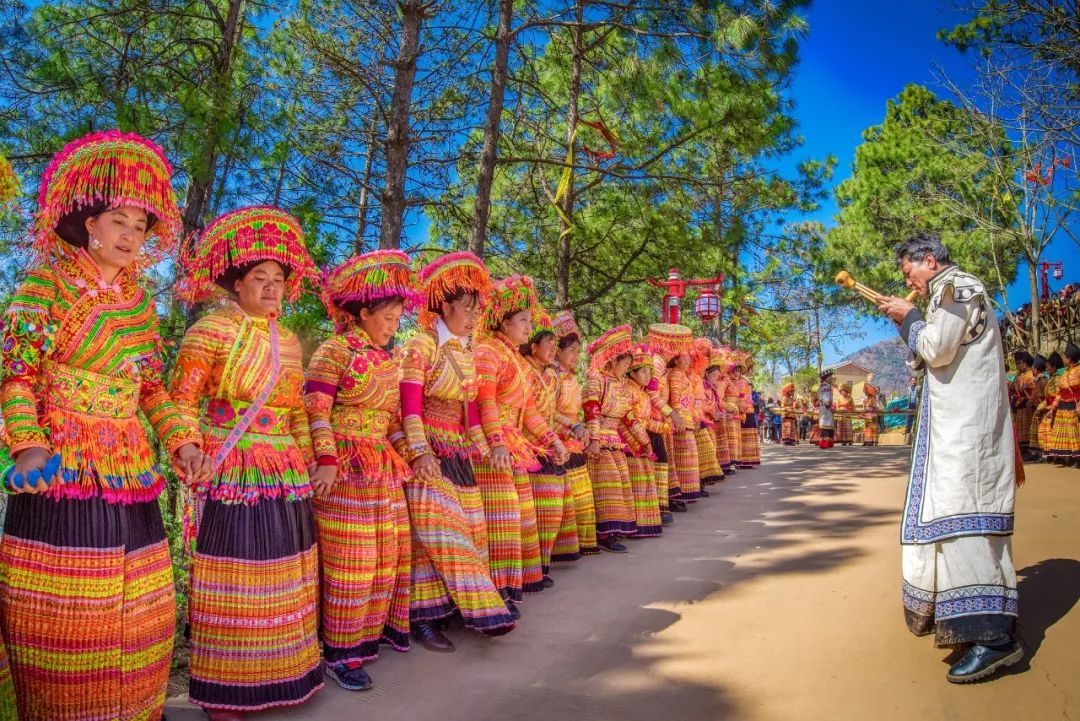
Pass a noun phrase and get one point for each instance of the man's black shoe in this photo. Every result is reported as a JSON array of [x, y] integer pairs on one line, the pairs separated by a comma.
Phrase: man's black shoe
[[981, 661], [431, 638]]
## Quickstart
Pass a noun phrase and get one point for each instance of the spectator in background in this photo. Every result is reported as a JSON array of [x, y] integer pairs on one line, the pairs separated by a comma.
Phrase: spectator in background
[[912, 402]]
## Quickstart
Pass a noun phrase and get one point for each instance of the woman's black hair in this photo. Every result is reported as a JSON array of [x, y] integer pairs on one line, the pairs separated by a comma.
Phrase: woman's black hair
[[1039, 363], [353, 307], [1022, 356], [1072, 352], [1055, 361], [233, 273], [435, 306], [72, 227], [526, 349], [568, 340]]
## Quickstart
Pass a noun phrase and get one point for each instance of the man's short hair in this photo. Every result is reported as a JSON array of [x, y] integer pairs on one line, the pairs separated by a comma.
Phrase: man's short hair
[[921, 245]]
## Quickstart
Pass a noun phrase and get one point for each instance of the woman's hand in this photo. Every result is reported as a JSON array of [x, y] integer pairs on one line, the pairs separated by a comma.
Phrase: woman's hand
[[561, 455], [500, 458], [35, 469], [194, 465], [593, 449], [427, 467], [322, 480], [580, 432]]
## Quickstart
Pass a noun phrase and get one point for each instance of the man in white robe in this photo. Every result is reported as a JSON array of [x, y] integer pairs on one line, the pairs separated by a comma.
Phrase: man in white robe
[[959, 579], [826, 422]]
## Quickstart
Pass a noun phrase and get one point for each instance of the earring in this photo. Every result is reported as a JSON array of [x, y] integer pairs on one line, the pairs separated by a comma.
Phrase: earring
[[94, 242]]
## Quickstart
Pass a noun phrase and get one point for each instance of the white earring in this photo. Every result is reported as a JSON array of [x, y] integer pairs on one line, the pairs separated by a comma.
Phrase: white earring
[[94, 242]]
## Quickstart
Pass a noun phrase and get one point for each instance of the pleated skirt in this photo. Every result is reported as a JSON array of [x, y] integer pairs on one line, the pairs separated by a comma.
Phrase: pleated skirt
[[709, 469], [254, 606], [567, 547], [88, 608], [450, 570], [1022, 422], [549, 486], [789, 432], [8, 708], [1036, 427], [612, 494], [366, 561], [577, 472], [723, 450], [646, 503], [870, 432], [661, 470], [502, 515], [844, 434], [685, 460], [734, 438], [750, 447], [1064, 436]]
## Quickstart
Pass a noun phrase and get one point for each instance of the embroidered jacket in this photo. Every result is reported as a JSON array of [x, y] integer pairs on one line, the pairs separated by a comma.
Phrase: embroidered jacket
[[609, 414], [227, 359], [738, 390], [351, 398], [81, 357], [544, 385], [436, 396], [681, 396], [568, 411], [506, 403]]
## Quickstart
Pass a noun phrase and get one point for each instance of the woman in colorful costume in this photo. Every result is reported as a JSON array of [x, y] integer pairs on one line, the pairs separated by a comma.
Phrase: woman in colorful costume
[[508, 409], [871, 413], [1054, 364], [352, 401], [450, 571], [608, 408], [255, 569], [665, 420], [641, 462], [845, 409], [715, 382], [675, 344], [1038, 364], [556, 516], [789, 426], [739, 389], [1065, 434], [570, 425], [86, 583], [709, 470], [1024, 399]]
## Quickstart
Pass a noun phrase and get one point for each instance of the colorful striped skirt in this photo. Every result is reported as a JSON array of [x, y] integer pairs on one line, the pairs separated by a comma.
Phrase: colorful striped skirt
[[254, 606], [549, 486], [708, 464], [734, 439], [577, 471], [88, 608], [7, 687], [844, 433], [723, 451], [750, 447], [815, 433], [366, 559], [789, 432], [612, 494], [450, 551], [532, 567], [674, 490], [646, 504], [1022, 423], [1036, 435], [567, 547], [686, 465], [870, 432], [1064, 438], [661, 471], [502, 514]]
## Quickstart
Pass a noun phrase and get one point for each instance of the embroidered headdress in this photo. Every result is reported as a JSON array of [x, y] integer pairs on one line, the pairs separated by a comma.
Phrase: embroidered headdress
[[113, 169], [565, 325], [448, 275], [610, 345], [542, 323], [366, 279], [641, 355], [242, 237], [509, 295], [670, 340]]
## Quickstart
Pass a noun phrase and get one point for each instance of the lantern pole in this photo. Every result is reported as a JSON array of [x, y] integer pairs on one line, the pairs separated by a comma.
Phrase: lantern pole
[[1044, 267], [675, 287]]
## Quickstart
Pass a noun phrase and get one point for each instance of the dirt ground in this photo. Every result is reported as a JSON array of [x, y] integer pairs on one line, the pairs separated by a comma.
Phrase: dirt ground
[[778, 598]]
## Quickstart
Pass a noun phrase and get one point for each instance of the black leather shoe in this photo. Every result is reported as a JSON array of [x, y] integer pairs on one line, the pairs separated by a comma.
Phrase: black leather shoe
[[981, 661], [666, 518], [612, 544], [515, 612], [704, 493], [677, 506], [431, 638], [548, 582]]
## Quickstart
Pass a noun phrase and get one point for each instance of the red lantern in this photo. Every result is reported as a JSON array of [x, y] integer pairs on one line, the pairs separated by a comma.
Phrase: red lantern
[[707, 305]]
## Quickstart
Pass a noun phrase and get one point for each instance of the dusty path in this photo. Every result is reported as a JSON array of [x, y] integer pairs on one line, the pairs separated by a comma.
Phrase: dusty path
[[775, 599]]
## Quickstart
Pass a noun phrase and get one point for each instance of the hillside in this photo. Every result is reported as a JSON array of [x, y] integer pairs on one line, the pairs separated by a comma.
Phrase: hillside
[[887, 360]]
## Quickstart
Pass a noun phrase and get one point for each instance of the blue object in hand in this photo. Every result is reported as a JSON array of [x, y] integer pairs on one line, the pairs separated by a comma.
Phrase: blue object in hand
[[51, 468]]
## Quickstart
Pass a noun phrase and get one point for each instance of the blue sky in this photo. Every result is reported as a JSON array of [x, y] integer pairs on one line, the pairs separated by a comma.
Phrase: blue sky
[[858, 55]]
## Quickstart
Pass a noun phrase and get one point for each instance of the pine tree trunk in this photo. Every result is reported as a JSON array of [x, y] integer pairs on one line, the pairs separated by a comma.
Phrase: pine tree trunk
[[492, 126], [1033, 280], [397, 134], [365, 183], [562, 261]]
